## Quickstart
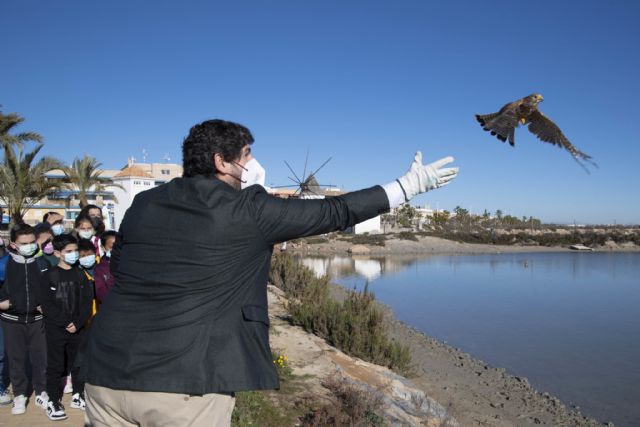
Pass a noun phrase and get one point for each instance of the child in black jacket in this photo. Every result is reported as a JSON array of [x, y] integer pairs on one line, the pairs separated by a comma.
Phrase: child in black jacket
[[21, 318], [67, 298]]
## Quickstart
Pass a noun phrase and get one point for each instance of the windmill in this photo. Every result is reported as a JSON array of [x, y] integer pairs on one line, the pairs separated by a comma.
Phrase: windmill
[[306, 187]]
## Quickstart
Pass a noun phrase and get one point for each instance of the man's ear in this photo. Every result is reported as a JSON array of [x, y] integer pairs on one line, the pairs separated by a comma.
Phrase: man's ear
[[57, 254], [12, 245], [220, 164]]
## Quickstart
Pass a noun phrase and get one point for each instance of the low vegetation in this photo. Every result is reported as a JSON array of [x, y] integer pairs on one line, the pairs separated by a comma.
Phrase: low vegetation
[[406, 235], [364, 239], [587, 238], [355, 407], [355, 325]]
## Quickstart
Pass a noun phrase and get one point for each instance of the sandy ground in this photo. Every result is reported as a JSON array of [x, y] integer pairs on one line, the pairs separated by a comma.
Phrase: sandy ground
[[35, 416]]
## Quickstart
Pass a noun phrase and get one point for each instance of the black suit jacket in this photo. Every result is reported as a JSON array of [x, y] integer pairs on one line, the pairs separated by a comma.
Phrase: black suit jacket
[[188, 311]]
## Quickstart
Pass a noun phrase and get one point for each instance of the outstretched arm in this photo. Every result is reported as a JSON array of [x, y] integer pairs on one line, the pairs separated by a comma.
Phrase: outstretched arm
[[282, 220]]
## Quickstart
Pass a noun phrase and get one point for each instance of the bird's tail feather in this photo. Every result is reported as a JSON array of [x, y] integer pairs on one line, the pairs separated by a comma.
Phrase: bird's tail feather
[[581, 157], [485, 121]]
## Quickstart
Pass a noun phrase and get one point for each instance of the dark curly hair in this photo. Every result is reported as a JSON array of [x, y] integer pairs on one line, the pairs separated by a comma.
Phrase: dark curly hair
[[60, 242], [208, 138]]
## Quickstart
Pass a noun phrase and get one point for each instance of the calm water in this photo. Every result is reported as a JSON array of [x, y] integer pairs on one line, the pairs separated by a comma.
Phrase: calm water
[[569, 322]]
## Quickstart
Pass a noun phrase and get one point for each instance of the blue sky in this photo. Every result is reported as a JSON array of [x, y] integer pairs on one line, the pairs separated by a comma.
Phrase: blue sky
[[364, 82]]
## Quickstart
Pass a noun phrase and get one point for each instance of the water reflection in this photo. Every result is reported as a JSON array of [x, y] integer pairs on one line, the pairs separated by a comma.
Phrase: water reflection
[[363, 266]]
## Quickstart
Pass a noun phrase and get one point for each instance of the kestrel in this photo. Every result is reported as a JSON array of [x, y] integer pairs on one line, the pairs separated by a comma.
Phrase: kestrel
[[504, 123]]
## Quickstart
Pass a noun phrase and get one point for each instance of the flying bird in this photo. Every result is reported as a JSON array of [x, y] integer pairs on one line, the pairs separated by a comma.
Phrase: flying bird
[[503, 125]]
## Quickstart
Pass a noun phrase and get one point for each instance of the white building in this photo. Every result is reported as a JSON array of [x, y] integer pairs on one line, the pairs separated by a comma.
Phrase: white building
[[372, 226], [133, 180]]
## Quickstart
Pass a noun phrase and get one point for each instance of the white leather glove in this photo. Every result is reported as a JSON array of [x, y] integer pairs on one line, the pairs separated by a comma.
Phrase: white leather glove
[[420, 179]]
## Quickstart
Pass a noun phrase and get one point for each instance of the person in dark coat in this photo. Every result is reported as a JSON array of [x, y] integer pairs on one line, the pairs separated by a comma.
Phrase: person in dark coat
[[186, 323], [21, 317]]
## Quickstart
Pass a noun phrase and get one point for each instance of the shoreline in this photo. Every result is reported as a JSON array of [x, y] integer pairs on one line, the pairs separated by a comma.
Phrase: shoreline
[[429, 245], [471, 390]]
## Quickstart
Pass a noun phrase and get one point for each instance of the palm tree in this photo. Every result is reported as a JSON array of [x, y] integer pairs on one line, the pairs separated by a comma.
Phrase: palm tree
[[84, 174], [22, 183], [10, 121], [7, 123]]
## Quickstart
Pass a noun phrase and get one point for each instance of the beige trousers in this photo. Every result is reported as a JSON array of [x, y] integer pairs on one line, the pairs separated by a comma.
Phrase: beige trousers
[[115, 408]]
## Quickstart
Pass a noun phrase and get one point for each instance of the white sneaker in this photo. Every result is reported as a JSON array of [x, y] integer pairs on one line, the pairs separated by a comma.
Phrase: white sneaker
[[55, 411], [19, 405], [42, 399], [68, 386], [77, 402], [5, 398]]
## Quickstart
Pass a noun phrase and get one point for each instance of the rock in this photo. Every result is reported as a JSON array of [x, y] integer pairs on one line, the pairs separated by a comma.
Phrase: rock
[[359, 249]]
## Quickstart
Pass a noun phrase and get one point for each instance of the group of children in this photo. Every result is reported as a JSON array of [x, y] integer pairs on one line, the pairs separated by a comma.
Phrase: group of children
[[51, 284]]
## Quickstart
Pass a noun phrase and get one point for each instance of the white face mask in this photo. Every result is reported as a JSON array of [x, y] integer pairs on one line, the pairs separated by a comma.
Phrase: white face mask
[[28, 249], [57, 229], [85, 234], [252, 173], [88, 261], [71, 257]]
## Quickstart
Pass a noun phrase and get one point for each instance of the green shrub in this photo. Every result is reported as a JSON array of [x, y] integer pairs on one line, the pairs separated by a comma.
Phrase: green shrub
[[315, 240], [547, 239], [368, 239], [355, 325], [406, 235]]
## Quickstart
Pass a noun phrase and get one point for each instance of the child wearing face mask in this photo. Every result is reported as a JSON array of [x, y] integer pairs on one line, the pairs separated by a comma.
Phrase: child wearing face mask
[[44, 239], [87, 263], [84, 229], [102, 274], [21, 318], [66, 303]]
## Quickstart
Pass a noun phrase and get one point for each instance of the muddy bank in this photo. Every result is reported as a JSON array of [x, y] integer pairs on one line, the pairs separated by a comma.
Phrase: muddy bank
[[429, 245]]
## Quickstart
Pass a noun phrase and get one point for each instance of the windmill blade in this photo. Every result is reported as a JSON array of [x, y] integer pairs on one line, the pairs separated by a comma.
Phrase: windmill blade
[[285, 186], [294, 174], [297, 182], [321, 166], [306, 160]]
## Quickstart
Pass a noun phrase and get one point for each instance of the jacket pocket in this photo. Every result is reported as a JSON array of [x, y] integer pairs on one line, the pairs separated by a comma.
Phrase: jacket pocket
[[255, 313]]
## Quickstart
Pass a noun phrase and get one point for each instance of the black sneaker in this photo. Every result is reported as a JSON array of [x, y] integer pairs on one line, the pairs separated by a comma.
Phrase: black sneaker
[[55, 411]]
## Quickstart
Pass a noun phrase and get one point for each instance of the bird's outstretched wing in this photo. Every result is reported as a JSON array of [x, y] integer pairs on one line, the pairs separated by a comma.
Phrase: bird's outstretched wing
[[501, 124], [547, 131]]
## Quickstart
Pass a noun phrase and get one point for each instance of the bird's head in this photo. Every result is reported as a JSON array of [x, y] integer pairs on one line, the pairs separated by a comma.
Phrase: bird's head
[[535, 99]]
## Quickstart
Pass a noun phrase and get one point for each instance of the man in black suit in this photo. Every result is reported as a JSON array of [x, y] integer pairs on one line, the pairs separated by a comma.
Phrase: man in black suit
[[186, 323]]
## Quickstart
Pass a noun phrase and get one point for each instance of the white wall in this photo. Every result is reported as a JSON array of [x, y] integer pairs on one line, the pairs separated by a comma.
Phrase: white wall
[[369, 226], [132, 186]]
